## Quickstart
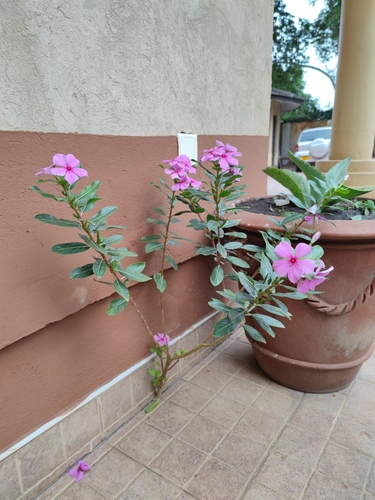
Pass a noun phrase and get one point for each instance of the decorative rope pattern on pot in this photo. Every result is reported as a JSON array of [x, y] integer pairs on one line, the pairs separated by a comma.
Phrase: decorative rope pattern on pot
[[338, 309]]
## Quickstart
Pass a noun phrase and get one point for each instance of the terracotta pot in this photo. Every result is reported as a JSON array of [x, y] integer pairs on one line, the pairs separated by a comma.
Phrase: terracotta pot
[[330, 335]]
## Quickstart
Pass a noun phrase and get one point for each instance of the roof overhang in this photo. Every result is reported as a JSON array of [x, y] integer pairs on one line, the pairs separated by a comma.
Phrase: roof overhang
[[287, 100]]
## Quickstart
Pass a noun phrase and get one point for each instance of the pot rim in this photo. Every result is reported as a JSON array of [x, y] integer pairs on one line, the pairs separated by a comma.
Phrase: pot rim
[[339, 230]]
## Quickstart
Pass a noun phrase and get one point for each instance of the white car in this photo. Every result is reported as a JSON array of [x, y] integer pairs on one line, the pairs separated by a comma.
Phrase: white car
[[313, 144]]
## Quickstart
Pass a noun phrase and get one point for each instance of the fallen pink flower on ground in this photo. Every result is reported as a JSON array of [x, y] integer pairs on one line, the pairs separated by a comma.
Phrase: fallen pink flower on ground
[[78, 472]]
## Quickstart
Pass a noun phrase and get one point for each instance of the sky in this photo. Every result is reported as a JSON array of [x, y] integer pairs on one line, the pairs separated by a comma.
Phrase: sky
[[318, 85]]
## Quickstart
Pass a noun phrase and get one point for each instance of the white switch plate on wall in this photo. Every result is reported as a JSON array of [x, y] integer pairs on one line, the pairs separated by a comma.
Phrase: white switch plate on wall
[[188, 145]]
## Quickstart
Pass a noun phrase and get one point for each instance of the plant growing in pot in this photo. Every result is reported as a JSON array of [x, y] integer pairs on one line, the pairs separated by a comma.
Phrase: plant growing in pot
[[332, 334], [261, 296]]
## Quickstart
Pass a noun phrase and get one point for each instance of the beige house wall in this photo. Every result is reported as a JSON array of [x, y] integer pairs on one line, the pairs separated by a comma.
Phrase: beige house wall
[[112, 83]]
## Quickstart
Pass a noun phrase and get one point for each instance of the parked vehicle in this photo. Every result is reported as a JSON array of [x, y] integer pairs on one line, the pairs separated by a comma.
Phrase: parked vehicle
[[313, 144]]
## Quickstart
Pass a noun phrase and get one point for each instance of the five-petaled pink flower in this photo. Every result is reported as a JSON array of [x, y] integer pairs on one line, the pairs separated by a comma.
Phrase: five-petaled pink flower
[[314, 217], [292, 261], [308, 284], [224, 154], [162, 339], [78, 472], [180, 166], [65, 166]]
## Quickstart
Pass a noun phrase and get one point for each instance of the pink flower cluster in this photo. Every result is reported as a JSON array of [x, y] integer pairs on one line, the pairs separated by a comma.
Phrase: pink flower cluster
[[65, 166], [292, 263], [224, 154], [179, 169]]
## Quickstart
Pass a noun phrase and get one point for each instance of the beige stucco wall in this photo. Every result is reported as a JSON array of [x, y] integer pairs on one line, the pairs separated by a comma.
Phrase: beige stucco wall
[[155, 67]]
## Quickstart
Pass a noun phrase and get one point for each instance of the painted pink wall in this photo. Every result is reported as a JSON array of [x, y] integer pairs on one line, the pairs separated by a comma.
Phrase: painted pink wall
[[55, 328]]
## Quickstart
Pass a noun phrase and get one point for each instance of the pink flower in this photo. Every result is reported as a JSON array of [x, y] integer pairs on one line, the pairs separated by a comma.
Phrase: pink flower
[[315, 217], [184, 182], [308, 284], [180, 165], [65, 166], [292, 262], [224, 155], [162, 339], [78, 472]]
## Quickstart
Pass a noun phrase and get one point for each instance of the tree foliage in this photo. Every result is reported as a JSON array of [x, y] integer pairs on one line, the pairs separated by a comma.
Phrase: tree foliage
[[290, 43]]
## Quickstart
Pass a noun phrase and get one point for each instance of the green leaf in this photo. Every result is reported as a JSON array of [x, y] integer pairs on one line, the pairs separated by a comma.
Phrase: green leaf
[[348, 192], [120, 253], [204, 250], [197, 224], [82, 272], [311, 172], [265, 267], [70, 248], [153, 247], [254, 334], [290, 180], [42, 193], [228, 294], [217, 276], [92, 244], [238, 262], [172, 262], [121, 289], [337, 174], [134, 272], [151, 237], [152, 220], [253, 248], [173, 242], [112, 240], [101, 216], [87, 193], [291, 218], [248, 284], [99, 268], [237, 315], [275, 310], [266, 322], [316, 253], [236, 234], [90, 204], [231, 223], [152, 406], [51, 219], [220, 306], [161, 284], [116, 306], [221, 250], [290, 295], [233, 245], [223, 328]]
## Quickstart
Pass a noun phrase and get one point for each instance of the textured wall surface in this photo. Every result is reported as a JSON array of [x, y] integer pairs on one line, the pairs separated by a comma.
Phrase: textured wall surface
[[152, 67]]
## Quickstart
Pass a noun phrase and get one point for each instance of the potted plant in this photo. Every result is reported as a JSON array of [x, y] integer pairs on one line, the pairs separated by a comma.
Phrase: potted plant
[[268, 271], [331, 334]]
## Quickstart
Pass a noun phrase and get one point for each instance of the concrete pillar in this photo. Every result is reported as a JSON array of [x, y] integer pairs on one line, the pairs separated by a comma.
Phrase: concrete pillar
[[353, 124]]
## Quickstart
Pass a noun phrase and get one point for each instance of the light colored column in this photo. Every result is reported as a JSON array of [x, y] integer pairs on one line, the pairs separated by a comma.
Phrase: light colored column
[[353, 124]]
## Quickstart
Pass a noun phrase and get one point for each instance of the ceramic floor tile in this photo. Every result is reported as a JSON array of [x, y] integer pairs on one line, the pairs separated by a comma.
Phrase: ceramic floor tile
[[150, 486], [192, 397], [359, 410], [370, 487], [144, 443], [211, 379], [311, 418], [257, 491], [240, 452], [112, 474], [344, 464], [169, 418], [202, 433], [322, 487], [239, 350], [241, 391], [9, 478], [223, 411], [285, 475], [251, 372], [331, 401], [274, 403], [178, 462], [299, 445], [216, 481], [357, 437], [80, 491], [258, 426], [226, 363]]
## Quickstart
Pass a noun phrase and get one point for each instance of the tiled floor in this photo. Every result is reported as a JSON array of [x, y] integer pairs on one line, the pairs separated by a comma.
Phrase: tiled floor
[[225, 431]]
